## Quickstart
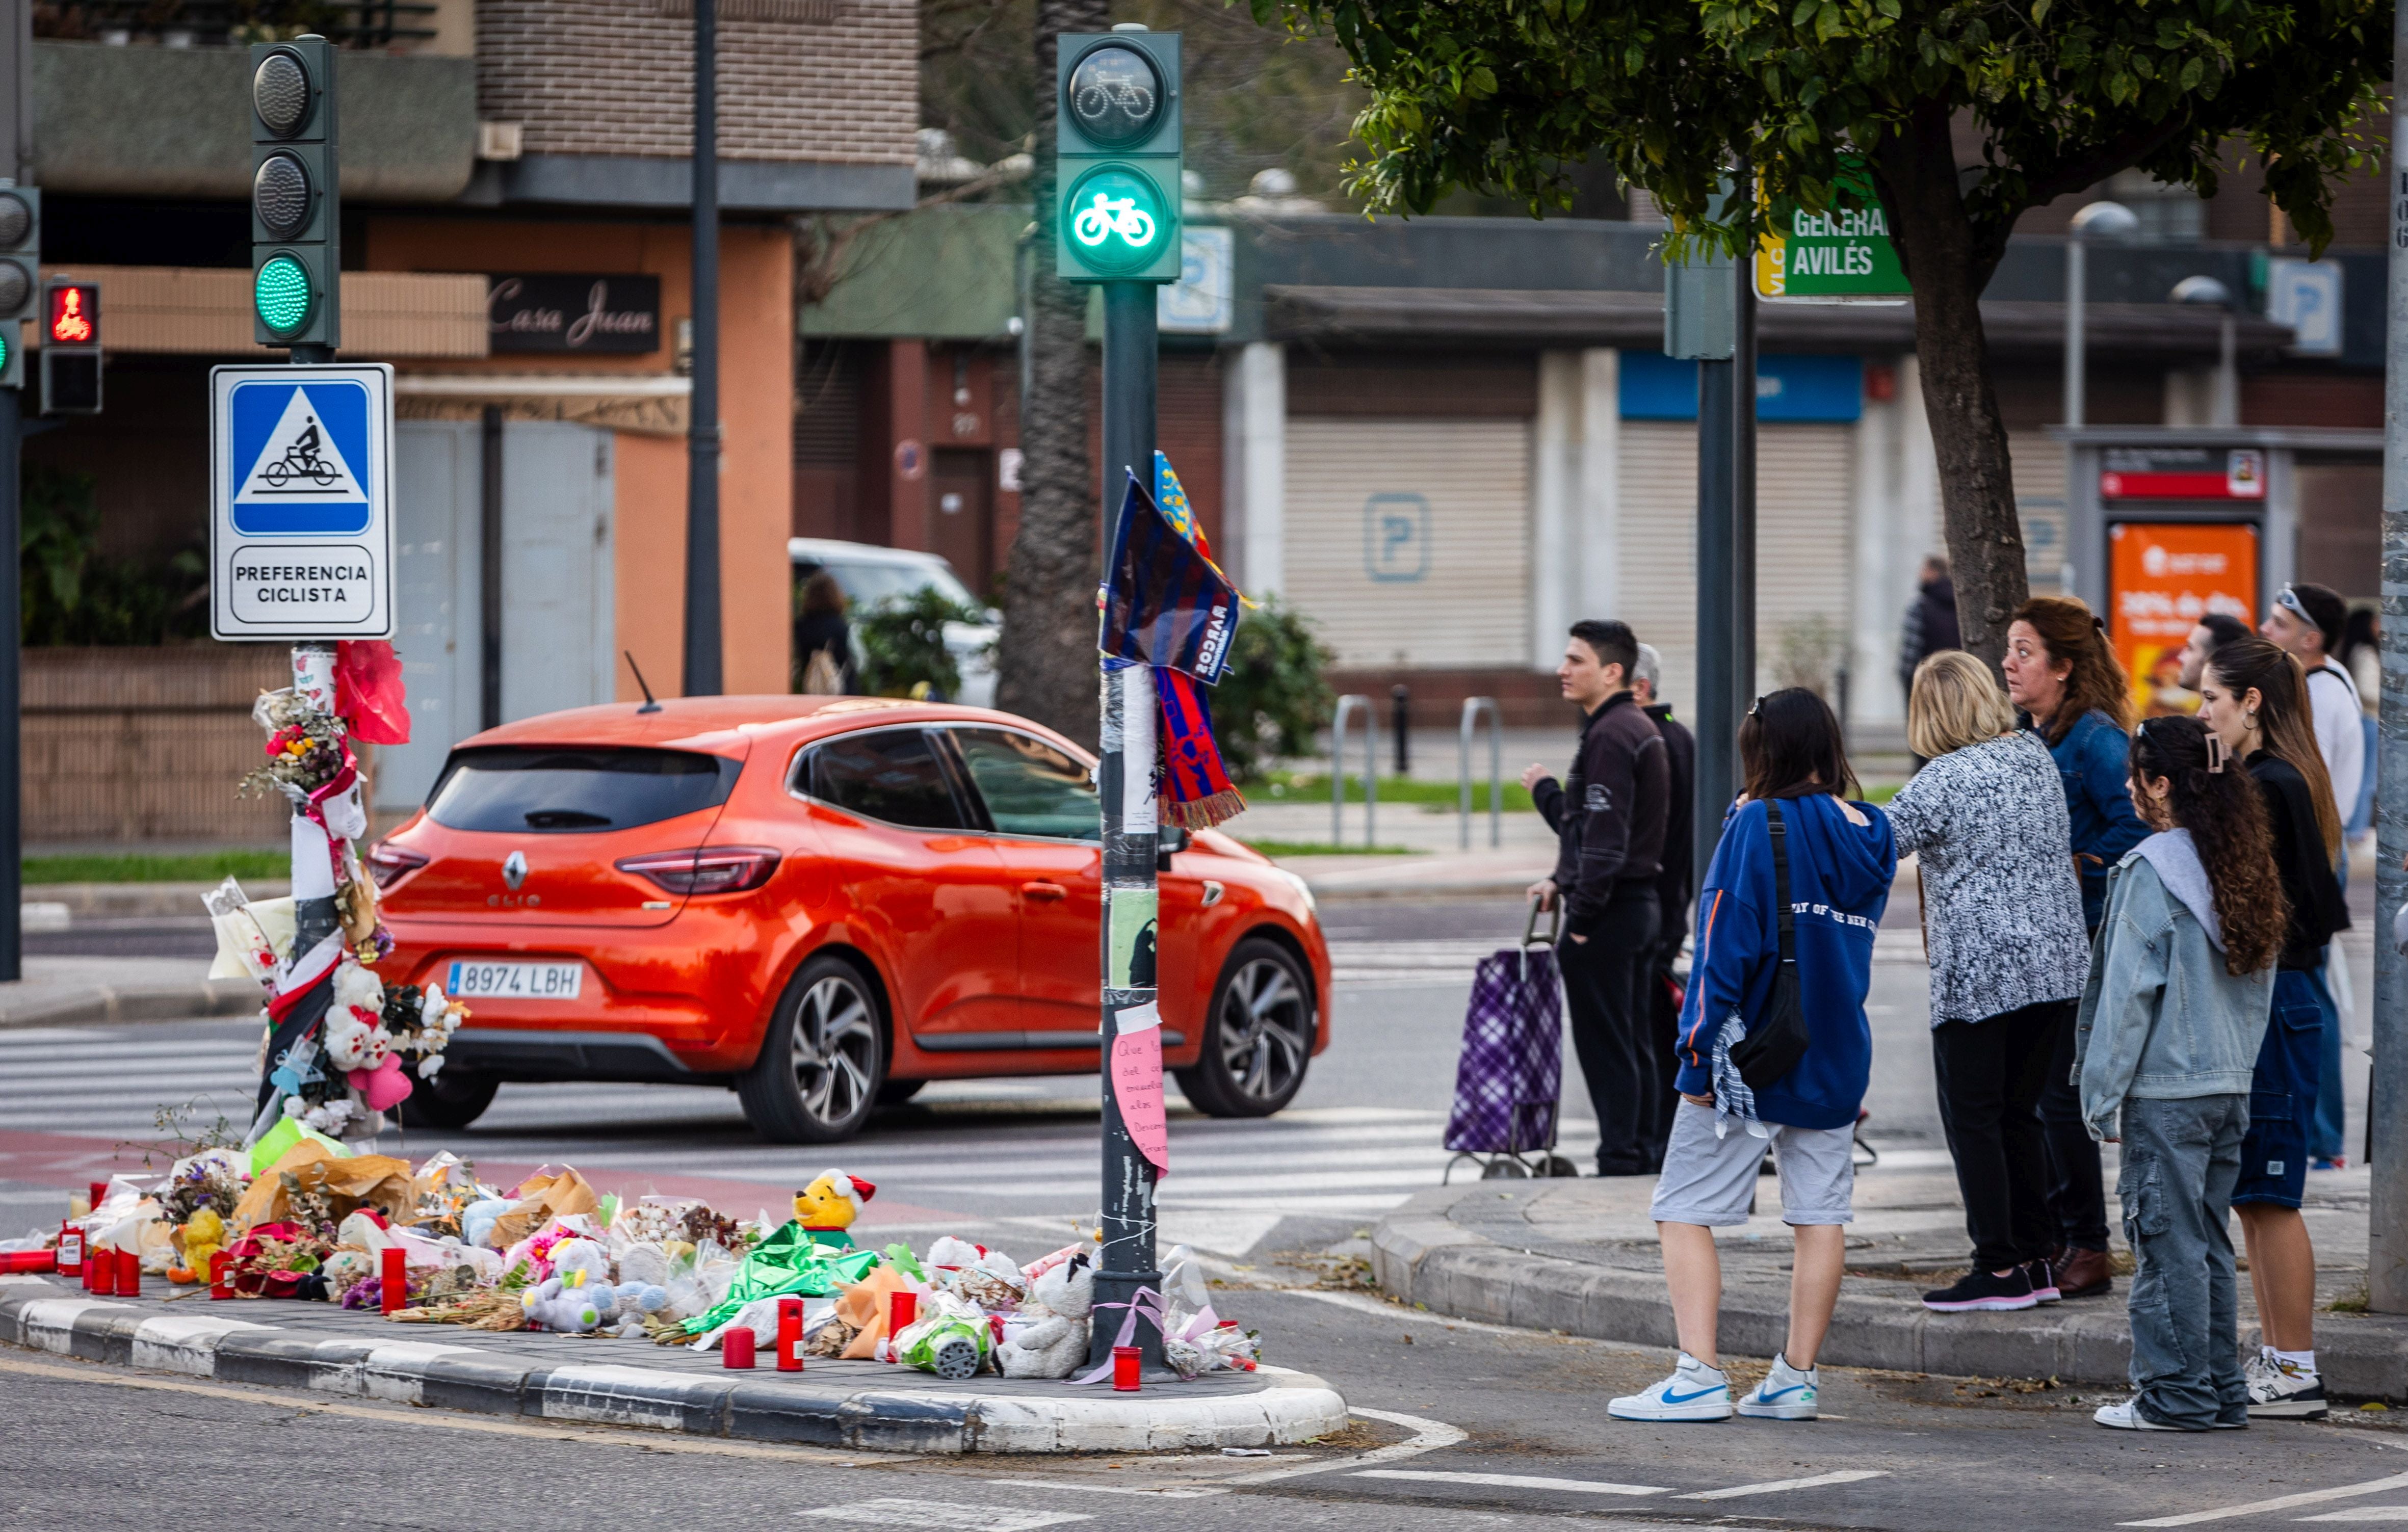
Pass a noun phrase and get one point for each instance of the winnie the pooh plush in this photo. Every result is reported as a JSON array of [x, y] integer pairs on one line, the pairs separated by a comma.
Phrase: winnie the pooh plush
[[204, 1235], [827, 1208]]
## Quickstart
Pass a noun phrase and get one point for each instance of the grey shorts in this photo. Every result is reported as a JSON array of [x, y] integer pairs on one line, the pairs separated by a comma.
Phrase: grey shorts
[[1708, 1180]]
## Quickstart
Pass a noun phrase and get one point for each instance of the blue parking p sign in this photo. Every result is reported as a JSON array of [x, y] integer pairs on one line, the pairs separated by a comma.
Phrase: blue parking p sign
[[301, 502]]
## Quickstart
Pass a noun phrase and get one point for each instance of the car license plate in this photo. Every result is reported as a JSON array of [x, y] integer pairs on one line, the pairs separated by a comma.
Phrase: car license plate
[[516, 980]]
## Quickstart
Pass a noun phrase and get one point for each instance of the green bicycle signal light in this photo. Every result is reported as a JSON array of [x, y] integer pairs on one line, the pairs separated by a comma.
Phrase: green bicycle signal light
[[281, 294], [1118, 162]]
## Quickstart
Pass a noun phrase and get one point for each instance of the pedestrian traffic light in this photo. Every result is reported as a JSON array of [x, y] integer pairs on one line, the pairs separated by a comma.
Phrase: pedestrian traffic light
[[21, 275], [1117, 162], [295, 204], [70, 347]]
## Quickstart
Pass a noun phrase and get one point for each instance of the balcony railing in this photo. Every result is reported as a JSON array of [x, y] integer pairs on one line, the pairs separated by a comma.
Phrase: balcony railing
[[221, 23]]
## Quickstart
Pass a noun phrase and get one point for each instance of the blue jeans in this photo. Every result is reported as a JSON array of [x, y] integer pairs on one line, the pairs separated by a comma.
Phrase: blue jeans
[[2327, 1132], [2181, 1159]]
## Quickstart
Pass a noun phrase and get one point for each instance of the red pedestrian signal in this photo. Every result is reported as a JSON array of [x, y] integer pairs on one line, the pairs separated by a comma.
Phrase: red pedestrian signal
[[75, 314]]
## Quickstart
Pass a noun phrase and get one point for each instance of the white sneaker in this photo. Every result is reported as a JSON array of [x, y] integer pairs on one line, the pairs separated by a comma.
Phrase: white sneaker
[[1695, 1392], [1785, 1394], [2279, 1390], [2127, 1417]]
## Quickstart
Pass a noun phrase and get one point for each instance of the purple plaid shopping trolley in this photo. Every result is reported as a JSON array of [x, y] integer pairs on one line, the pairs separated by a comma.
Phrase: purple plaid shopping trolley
[[1510, 1076]]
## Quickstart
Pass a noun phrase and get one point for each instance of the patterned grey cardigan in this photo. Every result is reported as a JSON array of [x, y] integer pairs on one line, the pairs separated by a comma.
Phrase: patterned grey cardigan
[[2002, 908]]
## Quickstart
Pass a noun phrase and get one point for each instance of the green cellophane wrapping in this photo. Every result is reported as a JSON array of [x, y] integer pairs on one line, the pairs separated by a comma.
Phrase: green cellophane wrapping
[[787, 1262]]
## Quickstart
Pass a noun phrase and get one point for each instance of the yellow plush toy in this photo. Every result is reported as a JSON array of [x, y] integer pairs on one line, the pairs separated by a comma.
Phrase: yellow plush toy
[[204, 1236], [827, 1207]]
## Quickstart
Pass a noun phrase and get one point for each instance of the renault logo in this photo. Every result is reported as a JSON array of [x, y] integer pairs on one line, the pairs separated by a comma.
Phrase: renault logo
[[514, 869]]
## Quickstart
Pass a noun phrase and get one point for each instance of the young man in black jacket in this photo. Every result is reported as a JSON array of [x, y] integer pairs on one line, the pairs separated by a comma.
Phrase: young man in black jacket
[[1609, 822], [1675, 884]]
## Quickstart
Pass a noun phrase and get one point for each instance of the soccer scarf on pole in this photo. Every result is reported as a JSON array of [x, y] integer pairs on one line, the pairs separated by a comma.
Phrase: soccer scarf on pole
[[1167, 605]]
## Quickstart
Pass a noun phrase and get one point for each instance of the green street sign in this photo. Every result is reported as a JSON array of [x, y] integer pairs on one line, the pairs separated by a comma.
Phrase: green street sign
[[1843, 254]]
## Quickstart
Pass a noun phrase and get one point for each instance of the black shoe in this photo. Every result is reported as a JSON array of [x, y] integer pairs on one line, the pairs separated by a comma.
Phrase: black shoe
[[1979, 1288], [2043, 1278]]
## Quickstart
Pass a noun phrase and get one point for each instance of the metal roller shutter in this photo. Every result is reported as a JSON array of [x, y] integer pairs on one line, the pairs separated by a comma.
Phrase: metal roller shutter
[[1802, 548], [2039, 466], [1408, 541]]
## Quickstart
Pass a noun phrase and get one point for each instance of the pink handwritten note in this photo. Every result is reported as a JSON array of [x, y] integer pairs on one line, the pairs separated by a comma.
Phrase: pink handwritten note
[[1137, 1084]]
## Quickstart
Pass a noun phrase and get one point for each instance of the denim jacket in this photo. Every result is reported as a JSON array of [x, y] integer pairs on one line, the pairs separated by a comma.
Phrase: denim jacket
[[2160, 1018], [2090, 761]]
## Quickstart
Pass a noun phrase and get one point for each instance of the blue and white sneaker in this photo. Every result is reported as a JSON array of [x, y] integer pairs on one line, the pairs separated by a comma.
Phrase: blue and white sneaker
[[1695, 1392], [1785, 1394]]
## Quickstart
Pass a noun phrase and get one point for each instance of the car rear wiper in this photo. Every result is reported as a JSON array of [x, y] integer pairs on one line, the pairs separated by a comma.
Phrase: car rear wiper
[[565, 819]]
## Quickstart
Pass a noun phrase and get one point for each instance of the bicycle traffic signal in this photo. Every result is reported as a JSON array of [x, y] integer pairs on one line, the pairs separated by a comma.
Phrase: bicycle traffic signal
[[1118, 156], [295, 204], [70, 347], [21, 275]]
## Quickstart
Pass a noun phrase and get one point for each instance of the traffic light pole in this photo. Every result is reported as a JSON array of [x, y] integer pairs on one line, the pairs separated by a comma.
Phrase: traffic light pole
[[12, 938], [1124, 782], [702, 672]]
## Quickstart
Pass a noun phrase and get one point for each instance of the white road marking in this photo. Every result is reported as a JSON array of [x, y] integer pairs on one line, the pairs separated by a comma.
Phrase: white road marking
[[1162, 1494], [946, 1514], [2280, 1502], [1511, 1480], [1429, 1437], [1776, 1487], [2361, 1514]]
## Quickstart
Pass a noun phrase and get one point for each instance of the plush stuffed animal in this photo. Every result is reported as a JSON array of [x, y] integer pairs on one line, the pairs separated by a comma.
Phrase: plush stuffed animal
[[827, 1207], [204, 1236], [1048, 1337], [572, 1302]]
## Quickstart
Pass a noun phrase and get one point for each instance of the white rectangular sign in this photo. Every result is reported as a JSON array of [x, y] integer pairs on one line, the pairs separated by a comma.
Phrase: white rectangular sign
[[301, 501]]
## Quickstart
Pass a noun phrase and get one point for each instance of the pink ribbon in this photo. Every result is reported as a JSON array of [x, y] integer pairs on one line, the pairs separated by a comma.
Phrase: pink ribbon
[[1144, 1303]]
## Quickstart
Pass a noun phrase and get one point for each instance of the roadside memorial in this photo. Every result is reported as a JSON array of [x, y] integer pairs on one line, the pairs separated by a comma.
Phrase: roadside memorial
[[322, 1222]]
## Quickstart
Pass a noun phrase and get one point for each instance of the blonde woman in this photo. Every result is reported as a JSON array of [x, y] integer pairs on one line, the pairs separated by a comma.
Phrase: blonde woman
[[2002, 922]]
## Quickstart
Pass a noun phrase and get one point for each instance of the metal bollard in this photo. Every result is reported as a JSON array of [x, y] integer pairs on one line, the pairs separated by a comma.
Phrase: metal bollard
[[1472, 708], [1347, 706]]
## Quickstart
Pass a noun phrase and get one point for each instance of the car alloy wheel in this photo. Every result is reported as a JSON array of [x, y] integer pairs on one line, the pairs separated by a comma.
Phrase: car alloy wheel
[[823, 1059], [1259, 1037], [835, 1050]]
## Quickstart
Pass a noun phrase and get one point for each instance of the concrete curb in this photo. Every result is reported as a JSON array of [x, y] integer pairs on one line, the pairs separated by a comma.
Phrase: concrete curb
[[1419, 1255], [100, 1004], [902, 1419]]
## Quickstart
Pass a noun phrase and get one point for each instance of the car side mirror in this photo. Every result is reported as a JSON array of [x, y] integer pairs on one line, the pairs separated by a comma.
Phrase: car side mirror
[[1168, 839]]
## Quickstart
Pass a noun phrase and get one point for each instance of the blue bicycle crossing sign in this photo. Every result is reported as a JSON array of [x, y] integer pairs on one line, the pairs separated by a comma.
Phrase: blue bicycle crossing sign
[[301, 502]]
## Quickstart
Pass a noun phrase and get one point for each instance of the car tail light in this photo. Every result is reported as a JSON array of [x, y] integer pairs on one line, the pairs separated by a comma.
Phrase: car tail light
[[707, 869], [388, 863]]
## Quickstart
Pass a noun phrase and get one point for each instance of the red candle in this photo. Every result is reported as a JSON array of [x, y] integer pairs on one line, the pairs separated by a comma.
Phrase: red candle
[[1124, 1365], [393, 1290], [220, 1286], [902, 1312], [97, 1189], [736, 1348], [790, 1334], [129, 1274], [70, 1248]]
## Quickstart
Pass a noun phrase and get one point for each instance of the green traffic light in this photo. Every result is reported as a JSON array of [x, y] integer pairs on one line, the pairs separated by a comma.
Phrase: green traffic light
[[281, 294], [1114, 219], [8, 346]]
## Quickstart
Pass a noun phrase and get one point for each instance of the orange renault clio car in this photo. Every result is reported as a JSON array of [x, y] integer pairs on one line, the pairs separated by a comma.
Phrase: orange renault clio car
[[824, 902]]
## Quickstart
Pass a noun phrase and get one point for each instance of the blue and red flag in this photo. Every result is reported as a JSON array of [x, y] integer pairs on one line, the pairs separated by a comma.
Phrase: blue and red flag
[[1167, 605]]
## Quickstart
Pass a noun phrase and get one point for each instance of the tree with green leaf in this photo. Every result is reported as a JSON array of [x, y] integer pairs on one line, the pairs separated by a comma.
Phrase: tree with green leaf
[[1968, 113]]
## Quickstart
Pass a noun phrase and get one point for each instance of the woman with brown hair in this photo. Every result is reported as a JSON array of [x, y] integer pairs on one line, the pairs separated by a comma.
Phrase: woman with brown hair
[[2062, 674], [2255, 696], [2173, 1014]]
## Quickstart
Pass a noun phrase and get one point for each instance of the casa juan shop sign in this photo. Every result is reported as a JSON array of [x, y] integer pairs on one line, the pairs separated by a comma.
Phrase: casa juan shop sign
[[568, 311]]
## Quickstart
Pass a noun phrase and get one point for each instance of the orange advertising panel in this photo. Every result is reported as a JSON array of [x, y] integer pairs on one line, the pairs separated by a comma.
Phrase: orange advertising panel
[[2162, 578]]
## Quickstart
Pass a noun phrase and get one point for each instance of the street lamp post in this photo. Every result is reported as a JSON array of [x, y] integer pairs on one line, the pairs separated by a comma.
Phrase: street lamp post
[[2098, 221], [2207, 292], [702, 673]]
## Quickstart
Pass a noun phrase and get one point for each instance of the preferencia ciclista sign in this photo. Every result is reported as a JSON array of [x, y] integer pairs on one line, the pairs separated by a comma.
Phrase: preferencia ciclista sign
[[301, 502]]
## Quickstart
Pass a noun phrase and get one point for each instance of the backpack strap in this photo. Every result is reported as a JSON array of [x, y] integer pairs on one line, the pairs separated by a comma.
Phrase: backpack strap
[[1788, 918]]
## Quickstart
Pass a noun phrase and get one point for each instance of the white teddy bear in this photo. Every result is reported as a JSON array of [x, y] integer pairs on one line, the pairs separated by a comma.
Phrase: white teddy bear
[[1048, 1337]]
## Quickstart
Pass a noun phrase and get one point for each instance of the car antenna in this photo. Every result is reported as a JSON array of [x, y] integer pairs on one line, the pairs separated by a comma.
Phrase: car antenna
[[651, 703]]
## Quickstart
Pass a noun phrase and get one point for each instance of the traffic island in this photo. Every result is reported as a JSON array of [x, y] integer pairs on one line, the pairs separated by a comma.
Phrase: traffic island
[[1581, 1257], [860, 1405]]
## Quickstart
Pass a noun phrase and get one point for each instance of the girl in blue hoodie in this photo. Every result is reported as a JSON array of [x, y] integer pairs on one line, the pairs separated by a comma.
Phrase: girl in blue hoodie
[[1841, 860]]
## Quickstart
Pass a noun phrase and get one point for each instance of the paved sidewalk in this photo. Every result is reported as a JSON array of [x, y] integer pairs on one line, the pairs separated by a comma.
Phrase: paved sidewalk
[[864, 1405], [87, 990], [1581, 1257]]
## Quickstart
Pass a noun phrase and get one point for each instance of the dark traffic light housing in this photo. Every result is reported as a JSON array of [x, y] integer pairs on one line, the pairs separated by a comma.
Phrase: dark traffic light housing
[[1118, 156], [21, 277], [295, 203], [70, 347]]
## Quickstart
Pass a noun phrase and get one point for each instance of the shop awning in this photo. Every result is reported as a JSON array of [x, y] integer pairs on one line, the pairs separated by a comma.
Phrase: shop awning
[[2157, 331]]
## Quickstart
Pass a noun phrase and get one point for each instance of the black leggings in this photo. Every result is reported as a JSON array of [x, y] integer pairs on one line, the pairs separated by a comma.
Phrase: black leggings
[[2077, 1200], [1990, 1074]]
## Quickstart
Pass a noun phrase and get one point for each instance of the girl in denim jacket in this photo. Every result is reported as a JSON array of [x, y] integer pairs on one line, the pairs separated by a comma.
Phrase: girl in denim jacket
[[2168, 1036]]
